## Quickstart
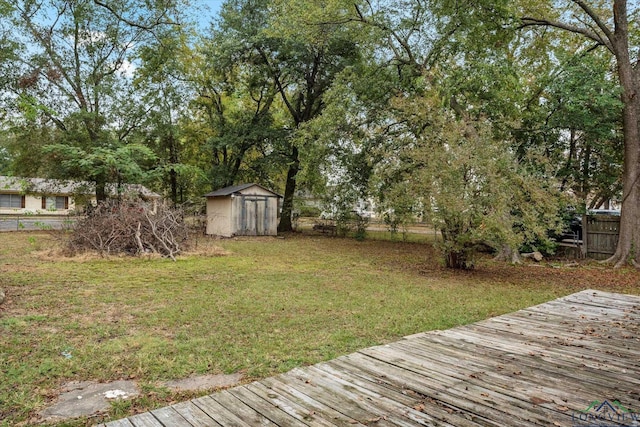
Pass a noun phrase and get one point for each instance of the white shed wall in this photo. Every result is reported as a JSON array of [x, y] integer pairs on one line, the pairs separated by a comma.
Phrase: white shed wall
[[219, 216]]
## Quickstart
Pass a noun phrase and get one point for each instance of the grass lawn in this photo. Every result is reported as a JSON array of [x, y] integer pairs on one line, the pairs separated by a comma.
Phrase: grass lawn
[[257, 306]]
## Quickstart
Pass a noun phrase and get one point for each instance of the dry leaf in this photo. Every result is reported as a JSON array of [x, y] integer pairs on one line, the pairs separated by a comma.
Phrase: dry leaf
[[538, 400]]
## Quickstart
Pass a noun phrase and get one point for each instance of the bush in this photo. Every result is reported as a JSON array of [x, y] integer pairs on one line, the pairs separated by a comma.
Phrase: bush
[[352, 222]]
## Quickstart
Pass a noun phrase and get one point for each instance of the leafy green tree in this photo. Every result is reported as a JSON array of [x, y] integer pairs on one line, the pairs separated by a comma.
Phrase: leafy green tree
[[437, 140], [615, 27], [341, 148], [468, 182], [300, 57], [75, 79], [234, 108], [162, 82], [576, 123], [8, 49]]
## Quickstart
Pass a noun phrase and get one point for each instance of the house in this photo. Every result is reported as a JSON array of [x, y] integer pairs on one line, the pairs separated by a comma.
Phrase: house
[[37, 196], [243, 210]]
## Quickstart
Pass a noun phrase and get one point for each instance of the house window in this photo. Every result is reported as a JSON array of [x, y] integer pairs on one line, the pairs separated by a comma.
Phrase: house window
[[12, 201], [54, 203]]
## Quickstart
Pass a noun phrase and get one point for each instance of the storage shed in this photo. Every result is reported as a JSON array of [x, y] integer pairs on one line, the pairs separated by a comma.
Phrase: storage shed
[[242, 210]]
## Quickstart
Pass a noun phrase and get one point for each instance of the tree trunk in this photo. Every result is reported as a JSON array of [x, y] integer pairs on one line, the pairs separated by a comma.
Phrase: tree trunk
[[173, 179], [629, 237], [101, 190], [509, 254], [629, 233], [617, 41], [286, 224], [459, 259], [173, 174]]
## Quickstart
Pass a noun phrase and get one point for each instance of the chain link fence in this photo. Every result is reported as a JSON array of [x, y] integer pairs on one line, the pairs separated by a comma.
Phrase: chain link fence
[[32, 222]]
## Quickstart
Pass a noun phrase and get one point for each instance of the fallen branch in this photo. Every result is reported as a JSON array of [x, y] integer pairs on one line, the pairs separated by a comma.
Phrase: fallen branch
[[130, 227]]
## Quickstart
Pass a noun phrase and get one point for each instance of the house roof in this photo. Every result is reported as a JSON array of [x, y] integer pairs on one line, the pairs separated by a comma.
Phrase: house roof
[[56, 186], [227, 191]]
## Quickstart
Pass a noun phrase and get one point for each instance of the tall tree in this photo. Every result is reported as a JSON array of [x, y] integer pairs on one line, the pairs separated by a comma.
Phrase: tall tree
[[234, 104], [439, 141], [8, 49], [574, 119], [75, 77], [163, 83], [616, 29], [301, 56]]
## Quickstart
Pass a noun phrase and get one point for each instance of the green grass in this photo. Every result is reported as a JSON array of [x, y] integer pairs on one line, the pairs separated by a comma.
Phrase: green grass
[[265, 307]]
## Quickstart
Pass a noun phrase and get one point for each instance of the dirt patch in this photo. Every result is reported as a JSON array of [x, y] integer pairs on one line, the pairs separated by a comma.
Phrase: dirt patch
[[204, 382]]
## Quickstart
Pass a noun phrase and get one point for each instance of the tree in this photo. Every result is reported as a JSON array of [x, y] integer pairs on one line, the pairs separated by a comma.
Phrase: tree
[[234, 106], [75, 80], [439, 139], [468, 182], [162, 82], [341, 148], [576, 120], [301, 58], [8, 49], [617, 31]]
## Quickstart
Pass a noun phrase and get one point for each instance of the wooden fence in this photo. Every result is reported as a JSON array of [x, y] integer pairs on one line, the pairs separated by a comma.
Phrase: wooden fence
[[600, 235]]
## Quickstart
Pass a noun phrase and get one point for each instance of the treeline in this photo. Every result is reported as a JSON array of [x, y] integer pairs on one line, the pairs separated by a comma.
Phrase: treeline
[[486, 117]]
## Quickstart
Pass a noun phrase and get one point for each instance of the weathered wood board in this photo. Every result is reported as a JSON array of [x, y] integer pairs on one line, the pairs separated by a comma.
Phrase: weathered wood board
[[574, 361]]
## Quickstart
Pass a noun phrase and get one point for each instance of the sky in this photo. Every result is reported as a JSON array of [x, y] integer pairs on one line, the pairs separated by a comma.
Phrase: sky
[[211, 9]]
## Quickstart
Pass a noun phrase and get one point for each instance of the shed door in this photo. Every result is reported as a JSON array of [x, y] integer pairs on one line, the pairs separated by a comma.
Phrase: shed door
[[254, 216]]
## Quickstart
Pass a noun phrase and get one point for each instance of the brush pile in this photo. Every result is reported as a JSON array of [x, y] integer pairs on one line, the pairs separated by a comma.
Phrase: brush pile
[[132, 227]]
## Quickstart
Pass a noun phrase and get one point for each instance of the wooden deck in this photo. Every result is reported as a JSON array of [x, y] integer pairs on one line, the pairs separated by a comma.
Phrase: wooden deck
[[541, 366]]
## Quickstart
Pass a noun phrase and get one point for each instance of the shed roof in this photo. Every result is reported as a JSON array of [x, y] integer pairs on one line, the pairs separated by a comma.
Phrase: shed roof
[[227, 191]]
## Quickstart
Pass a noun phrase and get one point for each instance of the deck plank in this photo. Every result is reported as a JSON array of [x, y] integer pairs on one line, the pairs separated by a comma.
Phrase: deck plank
[[502, 391], [271, 412], [218, 412], [493, 369], [414, 405], [538, 366], [196, 416], [241, 409], [294, 409], [118, 423], [333, 396], [441, 391], [168, 416], [381, 406], [583, 366], [314, 406], [145, 420]]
